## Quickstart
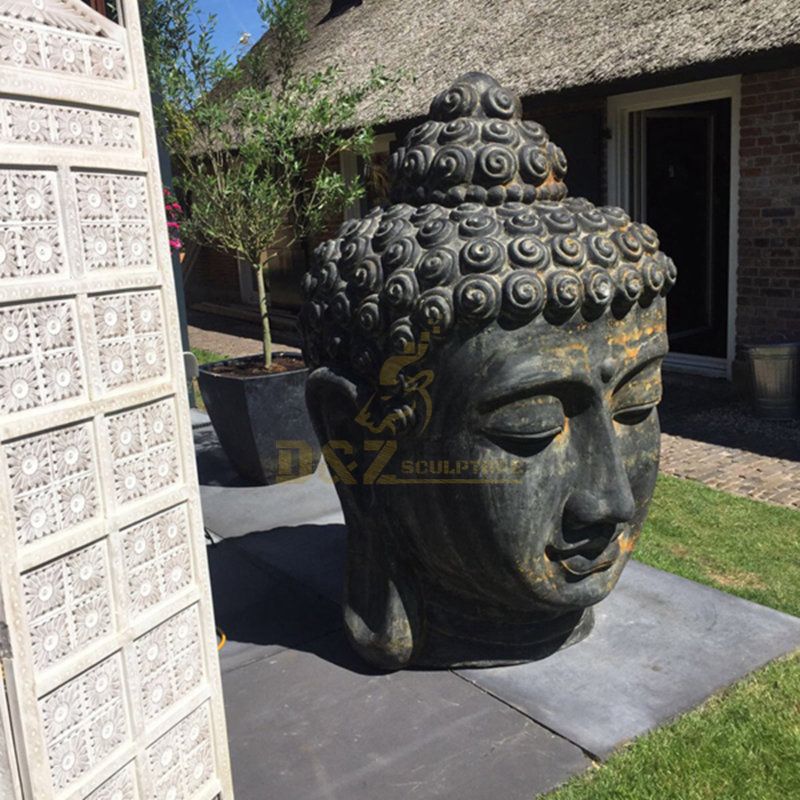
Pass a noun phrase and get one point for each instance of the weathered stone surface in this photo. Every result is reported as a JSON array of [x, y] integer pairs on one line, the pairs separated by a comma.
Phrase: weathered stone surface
[[486, 357], [115, 690]]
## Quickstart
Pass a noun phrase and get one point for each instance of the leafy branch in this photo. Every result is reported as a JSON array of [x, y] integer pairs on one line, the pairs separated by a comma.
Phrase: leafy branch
[[256, 145]]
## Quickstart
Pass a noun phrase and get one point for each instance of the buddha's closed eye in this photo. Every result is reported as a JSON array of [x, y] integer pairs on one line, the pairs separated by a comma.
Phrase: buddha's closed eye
[[637, 394], [538, 417], [526, 425]]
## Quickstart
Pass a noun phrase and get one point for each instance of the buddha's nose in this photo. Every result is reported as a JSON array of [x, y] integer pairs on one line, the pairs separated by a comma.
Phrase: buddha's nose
[[601, 492]]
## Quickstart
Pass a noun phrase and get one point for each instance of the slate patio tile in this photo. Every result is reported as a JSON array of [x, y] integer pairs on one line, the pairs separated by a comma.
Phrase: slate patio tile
[[314, 555], [309, 720], [319, 724], [232, 507], [661, 646], [260, 610]]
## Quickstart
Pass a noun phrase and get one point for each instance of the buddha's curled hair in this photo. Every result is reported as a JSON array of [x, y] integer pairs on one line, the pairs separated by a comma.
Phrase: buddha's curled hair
[[487, 235]]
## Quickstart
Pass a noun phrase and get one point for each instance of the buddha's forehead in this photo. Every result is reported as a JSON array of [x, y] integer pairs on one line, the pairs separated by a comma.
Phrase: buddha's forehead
[[580, 350]]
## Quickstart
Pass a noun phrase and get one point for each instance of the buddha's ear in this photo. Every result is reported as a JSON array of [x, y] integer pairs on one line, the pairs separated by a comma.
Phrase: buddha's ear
[[381, 604], [331, 400], [380, 596]]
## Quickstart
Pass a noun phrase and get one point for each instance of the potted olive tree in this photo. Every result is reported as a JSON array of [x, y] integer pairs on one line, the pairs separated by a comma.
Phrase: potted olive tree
[[255, 146]]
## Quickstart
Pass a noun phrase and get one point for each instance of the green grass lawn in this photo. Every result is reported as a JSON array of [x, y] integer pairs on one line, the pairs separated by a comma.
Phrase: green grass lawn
[[207, 356], [203, 357], [742, 546], [745, 743]]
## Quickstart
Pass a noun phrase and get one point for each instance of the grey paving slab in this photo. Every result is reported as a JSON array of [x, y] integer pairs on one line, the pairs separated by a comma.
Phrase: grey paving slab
[[234, 507], [260, 610], [199, 418], [316, 724], [661, 645], [309, 720], [314, 555]]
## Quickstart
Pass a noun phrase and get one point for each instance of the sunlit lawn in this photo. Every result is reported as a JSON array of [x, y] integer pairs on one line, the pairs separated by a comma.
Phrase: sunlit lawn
[[203, 357], [745, 743], [207, 356]]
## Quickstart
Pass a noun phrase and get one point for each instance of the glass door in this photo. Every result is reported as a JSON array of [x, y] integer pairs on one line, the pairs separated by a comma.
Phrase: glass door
[[680, 185]]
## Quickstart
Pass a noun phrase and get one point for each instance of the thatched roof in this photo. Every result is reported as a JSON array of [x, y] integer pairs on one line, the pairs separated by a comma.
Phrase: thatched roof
[[540, 47]]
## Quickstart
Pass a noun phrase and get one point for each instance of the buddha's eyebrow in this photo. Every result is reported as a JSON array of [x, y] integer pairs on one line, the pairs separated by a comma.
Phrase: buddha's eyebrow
[[648, 353], [635, 372], [516, 380], [522, 376]]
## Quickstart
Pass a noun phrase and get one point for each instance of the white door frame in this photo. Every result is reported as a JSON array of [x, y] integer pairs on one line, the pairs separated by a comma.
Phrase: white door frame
[[619, 109]]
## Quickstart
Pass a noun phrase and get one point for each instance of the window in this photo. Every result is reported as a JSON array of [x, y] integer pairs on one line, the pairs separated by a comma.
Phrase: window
[[108, 8]]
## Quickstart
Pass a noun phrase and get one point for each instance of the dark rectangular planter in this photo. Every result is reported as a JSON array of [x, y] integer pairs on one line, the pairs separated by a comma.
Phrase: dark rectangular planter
[[261, 421]]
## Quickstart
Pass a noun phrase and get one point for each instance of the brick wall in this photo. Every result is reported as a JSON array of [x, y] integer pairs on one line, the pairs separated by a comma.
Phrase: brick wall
[[769, 207]]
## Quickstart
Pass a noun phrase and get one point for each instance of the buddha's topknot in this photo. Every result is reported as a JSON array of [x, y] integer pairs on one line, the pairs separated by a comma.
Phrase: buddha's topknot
[[480, 230], [476, 148]]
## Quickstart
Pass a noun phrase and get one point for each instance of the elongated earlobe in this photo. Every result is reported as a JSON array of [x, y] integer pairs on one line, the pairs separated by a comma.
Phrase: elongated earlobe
[[380, 604], [380, 597]]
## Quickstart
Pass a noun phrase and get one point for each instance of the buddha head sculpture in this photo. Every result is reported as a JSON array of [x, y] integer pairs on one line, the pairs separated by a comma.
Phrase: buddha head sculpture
[[485, 358]]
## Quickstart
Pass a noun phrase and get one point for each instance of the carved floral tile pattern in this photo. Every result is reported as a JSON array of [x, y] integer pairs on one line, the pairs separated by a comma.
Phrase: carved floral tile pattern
[[65, 49], [72, 592], [30, 240], [114, 215], [20, 47], [28, 196], [157, 559], [145, 458], [53, 479], [169, 662], [33, 195], [27, 122], [39, 361], [65, 54], [108, 61], [47, 123], [121, 786], [181, 762], [117, 130], [74, 127], [130, 337], [84, 722], [50, 12]]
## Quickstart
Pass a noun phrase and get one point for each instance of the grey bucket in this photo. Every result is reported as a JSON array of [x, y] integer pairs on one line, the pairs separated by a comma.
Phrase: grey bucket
[[775, 379]]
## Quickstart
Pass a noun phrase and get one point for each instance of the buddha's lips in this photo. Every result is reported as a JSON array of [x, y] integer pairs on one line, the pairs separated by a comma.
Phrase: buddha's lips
[[596, 555]]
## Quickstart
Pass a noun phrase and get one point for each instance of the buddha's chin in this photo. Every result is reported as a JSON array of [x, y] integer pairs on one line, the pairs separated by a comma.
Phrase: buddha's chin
[[578, 581]]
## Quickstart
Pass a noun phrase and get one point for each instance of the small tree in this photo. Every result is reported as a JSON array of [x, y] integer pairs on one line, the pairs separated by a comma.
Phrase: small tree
[[256, 145]]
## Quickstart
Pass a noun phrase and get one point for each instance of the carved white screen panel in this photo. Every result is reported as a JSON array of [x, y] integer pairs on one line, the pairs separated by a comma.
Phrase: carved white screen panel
[[112, 687]]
